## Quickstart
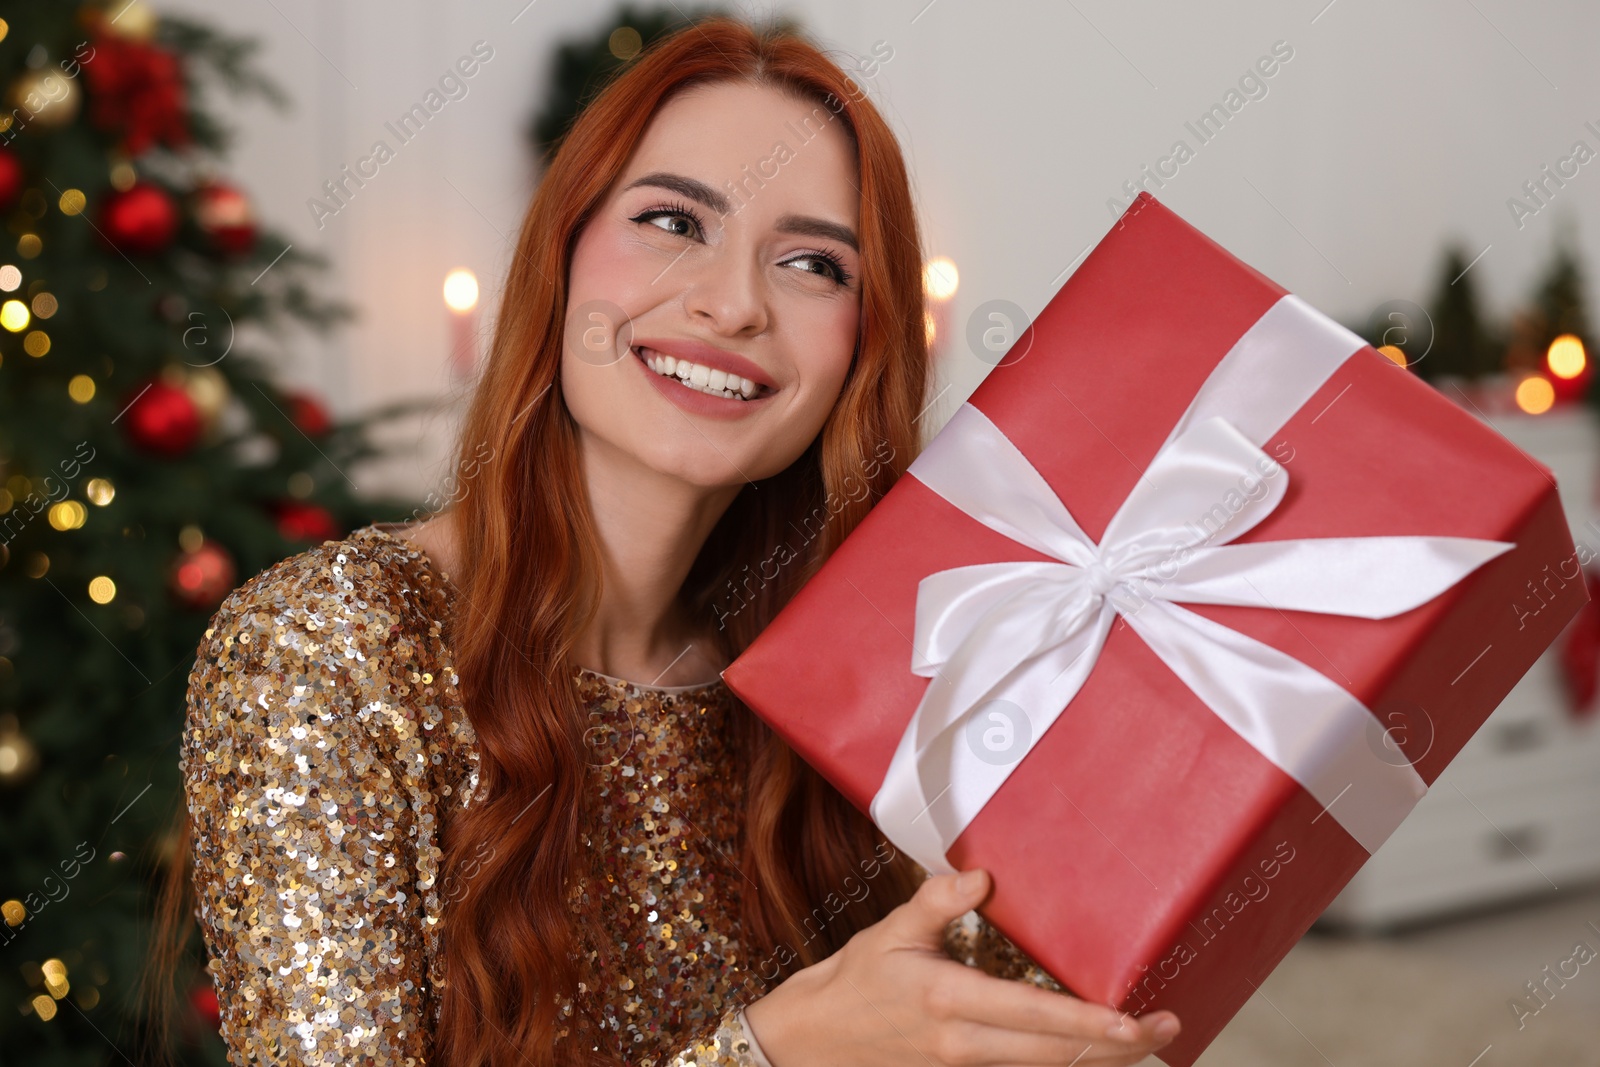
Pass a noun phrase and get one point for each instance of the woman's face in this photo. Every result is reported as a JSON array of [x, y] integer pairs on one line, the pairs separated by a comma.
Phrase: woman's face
[[728, 246]]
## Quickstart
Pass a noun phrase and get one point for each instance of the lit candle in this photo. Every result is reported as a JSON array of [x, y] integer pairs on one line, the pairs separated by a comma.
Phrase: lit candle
[[461, 297], [939, 281]]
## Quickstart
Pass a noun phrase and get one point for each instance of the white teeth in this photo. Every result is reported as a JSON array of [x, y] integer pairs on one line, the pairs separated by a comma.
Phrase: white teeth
[[701, 378]]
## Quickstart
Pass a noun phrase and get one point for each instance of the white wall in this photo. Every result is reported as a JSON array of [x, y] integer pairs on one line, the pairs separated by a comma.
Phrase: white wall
[[1393, 128]]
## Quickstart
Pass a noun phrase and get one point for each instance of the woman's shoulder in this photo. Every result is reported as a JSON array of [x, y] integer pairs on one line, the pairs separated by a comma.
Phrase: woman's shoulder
[[362, 588], [318, 754], [348, 623]]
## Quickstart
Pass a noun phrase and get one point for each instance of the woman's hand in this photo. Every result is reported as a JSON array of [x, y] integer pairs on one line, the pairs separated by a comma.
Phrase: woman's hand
[[891, 996]]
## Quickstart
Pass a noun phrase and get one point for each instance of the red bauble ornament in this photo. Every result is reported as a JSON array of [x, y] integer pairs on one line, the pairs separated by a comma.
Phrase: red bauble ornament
[[136, 91], [141, 219], [225, 216], [11, 178], [308, 414], [163, 420], [203, 1002], [1570, 390], [200, 579], [298, 521]]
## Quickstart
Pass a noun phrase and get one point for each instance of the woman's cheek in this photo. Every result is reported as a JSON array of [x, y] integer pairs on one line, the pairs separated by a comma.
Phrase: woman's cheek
[[825, 344], [842, 350], [611, 265]]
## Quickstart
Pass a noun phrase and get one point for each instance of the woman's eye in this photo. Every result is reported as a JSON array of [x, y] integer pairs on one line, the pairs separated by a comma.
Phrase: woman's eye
[[677, 221], [676, 224], [824, 266]]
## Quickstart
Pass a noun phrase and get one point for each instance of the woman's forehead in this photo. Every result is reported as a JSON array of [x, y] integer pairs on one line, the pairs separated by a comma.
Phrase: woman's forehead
[[742, 138]]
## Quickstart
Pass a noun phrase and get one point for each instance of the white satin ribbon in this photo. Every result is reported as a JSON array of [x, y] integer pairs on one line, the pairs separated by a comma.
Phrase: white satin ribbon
[[1029, 633]]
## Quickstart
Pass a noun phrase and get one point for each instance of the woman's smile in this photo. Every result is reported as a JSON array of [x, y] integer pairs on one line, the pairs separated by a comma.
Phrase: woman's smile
[[701, 388], [705, 366]]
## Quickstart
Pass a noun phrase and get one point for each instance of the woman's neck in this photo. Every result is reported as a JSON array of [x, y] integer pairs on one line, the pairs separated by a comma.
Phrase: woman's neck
[[651, 527]]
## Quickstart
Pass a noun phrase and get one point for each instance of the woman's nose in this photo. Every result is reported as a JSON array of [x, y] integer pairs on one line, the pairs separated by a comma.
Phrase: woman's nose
[[727, 292]]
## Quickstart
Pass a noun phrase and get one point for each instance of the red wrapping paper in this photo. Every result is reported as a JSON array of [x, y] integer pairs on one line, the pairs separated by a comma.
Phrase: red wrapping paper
[[1142, 852]]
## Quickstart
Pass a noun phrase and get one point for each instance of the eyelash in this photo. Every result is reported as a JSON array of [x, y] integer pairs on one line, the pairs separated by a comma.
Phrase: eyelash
[[833, 259]]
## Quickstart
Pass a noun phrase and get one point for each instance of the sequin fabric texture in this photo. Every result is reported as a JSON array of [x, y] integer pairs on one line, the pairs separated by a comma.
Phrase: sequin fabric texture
[[325, 741]]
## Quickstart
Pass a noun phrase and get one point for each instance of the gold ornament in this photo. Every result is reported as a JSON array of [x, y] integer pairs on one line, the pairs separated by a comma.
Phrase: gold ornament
[[123, 175], [55, 978], [44, 98], [100, 491], [135, 22], [18, 757], [208, 390], [625, 42]]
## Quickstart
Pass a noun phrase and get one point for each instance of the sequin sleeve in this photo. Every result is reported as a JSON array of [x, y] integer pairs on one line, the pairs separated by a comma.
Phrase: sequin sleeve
[[973, 940], [305, 850], [729, 1045]]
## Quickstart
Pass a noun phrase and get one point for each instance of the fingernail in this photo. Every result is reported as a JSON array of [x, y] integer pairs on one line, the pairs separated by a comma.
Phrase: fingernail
[[968, 881], [1167, 1029]]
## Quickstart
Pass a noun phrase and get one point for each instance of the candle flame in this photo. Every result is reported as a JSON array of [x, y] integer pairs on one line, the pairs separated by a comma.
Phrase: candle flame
[[461, 290]]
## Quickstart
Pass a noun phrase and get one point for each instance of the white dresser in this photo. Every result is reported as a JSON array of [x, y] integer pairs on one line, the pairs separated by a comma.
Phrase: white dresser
[[1518, 811]]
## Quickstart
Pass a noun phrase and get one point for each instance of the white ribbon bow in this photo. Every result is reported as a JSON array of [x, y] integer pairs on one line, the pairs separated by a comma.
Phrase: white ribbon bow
[[1029, 633]]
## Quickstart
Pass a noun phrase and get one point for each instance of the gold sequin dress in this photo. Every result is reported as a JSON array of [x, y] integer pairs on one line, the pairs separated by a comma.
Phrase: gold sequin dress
[[325, 740]]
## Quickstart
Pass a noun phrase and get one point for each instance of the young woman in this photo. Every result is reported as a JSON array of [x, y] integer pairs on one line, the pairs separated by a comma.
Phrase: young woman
[[470, 791]]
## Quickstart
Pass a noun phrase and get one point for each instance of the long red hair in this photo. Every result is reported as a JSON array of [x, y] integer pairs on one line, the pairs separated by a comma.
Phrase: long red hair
[[529, 567]]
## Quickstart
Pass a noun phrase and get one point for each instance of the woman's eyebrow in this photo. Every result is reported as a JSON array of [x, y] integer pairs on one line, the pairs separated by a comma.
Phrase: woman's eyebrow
[[700, 192], [810, 226], [692, 188]]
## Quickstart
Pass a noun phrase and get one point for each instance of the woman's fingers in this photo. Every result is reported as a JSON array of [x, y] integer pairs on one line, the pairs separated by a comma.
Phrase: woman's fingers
[[1159, 1026], [976, 1043], [965, 993], [921, 921], [891, 996]]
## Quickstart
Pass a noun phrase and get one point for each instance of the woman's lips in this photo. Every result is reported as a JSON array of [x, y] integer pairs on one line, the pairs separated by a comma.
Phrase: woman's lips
[[693, 400], [705, 376], [709, 356]]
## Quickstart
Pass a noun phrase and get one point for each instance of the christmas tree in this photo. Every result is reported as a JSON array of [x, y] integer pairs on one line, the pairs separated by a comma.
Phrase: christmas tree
[[147, 464], [1559, 301], [1548, 337], [582, 66], [1463, 344], [1560, 321]]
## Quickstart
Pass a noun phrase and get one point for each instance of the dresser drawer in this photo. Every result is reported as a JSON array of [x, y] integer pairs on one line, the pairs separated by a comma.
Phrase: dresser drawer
[[1530, 727], [1519, 806], [1458, 849]]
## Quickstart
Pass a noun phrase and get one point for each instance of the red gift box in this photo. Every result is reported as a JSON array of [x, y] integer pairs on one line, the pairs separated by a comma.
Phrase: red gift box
[[1149, 850]]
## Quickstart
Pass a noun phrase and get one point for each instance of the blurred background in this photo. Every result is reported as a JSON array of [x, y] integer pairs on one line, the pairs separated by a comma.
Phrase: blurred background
[[233, 325]]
